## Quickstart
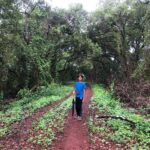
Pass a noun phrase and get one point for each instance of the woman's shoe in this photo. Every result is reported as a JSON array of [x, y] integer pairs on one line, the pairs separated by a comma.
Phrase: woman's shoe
[[79, 118]]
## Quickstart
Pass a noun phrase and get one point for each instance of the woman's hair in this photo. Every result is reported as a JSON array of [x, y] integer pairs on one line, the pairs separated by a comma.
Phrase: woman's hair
[[81, 75]]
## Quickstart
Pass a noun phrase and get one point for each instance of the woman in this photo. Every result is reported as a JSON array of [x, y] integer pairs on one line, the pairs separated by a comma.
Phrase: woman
[[79, 91]]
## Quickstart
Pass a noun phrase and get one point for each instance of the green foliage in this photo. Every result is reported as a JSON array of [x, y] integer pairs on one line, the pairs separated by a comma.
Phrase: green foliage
[[1, 96], [119, 28], [40, 45], [23, 93], [121, 136], [48, 124], [24, 107], [120, 131], [3, 131], [95, 129]]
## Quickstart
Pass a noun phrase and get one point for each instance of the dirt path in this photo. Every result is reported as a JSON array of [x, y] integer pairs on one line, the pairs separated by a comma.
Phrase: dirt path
[[17, 139], [76, 132]]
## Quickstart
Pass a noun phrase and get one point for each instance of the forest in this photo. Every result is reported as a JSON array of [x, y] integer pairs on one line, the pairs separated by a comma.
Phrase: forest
[[43, 49]]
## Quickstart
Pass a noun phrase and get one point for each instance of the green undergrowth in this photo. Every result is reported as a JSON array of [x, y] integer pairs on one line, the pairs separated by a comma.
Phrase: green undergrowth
[[45, 129], [24, 107], [119, 131]]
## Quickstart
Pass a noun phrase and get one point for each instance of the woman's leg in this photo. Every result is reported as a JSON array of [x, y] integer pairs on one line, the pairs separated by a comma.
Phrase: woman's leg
[[78, 106]]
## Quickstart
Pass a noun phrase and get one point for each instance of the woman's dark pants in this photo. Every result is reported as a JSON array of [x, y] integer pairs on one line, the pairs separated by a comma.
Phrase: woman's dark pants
[[79, 106]]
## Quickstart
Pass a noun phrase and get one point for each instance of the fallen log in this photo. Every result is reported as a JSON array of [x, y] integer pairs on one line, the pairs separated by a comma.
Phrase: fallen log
[[133, 124]]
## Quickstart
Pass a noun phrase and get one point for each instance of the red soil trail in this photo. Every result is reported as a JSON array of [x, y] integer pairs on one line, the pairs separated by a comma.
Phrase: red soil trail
[[17, 139], [75, 132]]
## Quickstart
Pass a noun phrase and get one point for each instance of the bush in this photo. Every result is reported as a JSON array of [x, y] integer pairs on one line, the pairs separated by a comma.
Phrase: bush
[[1, 95], [23, 93], [133, 93]]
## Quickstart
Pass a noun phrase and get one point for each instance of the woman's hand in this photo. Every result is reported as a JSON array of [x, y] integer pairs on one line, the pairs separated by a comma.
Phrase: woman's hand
[[74, 92]]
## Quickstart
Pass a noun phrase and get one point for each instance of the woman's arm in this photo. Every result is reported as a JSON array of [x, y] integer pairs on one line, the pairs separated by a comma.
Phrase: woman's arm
[[84, 92], [83, 96], [74, 91]]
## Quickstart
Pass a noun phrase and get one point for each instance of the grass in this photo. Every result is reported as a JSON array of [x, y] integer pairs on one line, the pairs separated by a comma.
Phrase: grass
[[117, 130], [44, 130], [24, 107]]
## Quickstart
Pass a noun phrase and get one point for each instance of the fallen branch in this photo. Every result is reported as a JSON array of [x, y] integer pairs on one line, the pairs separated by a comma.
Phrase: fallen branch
[[133, 124]]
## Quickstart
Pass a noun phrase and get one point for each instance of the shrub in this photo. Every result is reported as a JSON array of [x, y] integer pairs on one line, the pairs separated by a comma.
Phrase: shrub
[[23, 93]]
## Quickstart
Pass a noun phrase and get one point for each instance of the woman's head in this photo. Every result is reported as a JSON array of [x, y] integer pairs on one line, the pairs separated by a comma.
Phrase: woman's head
[[81, 77]]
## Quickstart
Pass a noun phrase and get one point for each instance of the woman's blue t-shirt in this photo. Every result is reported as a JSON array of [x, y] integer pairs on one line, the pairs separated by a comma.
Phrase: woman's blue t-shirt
[[79, 87]]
